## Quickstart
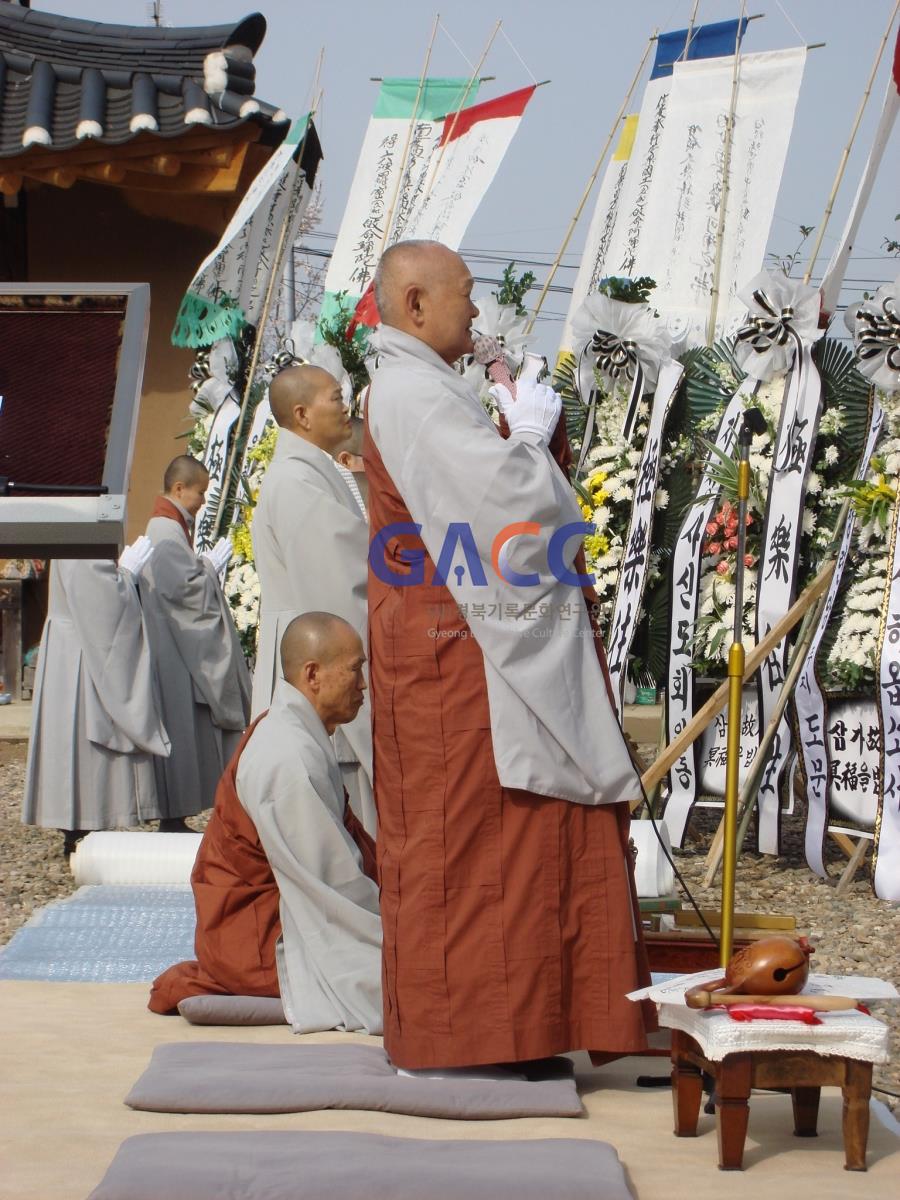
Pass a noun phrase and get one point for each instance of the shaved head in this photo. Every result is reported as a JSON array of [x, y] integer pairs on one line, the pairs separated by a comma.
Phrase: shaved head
[[308, 401], [354, 443], [323, 658], [293, 386], [313, 637], [425, 289], [186, 470]]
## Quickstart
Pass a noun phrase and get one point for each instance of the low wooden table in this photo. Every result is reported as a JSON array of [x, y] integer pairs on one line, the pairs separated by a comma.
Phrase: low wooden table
[[782, 1055], [803, 1072]]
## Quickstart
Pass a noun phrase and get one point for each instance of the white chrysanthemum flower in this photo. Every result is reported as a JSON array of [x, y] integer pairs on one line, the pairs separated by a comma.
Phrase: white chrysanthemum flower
[[809, 521], [832, 455], [813, 484], [661, 499]]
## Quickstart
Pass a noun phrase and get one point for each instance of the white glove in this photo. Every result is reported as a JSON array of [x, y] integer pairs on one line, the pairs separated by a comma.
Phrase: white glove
[[219, 556], [535, 409], [136, 556]]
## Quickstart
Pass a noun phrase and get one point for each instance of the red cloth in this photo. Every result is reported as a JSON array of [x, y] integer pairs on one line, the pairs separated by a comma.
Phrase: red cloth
[[236, 897], [509, 918], [163, 507], [771, 1012]]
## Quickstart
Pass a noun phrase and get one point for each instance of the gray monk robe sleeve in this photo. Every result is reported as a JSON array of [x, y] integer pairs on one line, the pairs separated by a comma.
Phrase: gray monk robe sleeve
[[188, 596]]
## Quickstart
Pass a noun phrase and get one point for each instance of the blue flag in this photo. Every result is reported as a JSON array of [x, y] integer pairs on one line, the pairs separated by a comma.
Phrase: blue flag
[[707, 41]]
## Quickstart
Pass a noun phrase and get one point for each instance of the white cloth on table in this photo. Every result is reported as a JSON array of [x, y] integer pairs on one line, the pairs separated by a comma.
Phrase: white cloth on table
[[845, 1034]]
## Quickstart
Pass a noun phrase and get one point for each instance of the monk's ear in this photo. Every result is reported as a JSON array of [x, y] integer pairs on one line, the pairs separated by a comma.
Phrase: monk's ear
[[298, 412], [413, 297], [310, 672]]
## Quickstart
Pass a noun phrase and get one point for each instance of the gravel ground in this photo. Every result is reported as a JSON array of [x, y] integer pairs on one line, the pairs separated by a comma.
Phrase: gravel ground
[[852, 934]]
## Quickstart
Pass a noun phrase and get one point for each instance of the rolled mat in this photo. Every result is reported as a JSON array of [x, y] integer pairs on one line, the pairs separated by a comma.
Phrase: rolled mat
[[653, 874], [234, 1077], [358, 1166], [135, 857]]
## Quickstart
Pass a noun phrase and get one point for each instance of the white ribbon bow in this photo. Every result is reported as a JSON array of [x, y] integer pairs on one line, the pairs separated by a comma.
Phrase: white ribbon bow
[[875, 325], [219, 365], [783, 314]]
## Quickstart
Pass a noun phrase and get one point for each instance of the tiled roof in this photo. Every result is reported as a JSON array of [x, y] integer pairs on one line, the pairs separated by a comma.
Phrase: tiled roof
[[65, 82]]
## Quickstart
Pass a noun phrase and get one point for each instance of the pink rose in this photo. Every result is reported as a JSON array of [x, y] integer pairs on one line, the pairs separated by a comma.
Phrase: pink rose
[[723, 568], [712, 528], [731, 543], [749, 560], [714, 548]]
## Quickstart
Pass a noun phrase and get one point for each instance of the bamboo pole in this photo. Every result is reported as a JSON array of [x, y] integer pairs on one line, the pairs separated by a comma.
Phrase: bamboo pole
[[845, 155], [719, 699], [273, 280], [587, 191], [726, 181], [751, 784], [409, 132], [690, 32], [476, 71]]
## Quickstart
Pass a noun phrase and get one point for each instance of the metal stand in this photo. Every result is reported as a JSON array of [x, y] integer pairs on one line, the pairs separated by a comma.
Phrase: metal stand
[[753, 422]]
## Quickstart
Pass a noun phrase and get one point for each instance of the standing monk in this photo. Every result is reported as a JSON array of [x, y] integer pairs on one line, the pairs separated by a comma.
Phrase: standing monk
[[310, 543], [511, 926], [203, 679]]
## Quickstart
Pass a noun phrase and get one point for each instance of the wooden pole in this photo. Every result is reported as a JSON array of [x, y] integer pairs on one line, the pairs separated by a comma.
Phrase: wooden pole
[[409, 132], [719, 699], [436, 165], [273, 280], [845, 155], [726, 182], [751, 784], [587, 191], [690, 32]]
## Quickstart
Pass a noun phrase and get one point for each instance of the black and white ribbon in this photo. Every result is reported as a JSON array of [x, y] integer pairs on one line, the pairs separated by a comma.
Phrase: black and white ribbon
[[616, 359], [633, 572], [686, 564], [809, 700], [215, 459], [875, 325]]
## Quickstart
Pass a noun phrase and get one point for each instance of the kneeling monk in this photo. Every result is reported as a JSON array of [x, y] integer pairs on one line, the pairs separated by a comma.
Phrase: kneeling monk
[[284, 879]]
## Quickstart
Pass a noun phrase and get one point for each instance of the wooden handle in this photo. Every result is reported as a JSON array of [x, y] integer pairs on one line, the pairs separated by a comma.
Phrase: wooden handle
[[703, 998]]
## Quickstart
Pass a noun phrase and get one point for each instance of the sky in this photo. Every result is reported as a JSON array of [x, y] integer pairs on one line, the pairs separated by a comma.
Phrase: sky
[[589, 50]]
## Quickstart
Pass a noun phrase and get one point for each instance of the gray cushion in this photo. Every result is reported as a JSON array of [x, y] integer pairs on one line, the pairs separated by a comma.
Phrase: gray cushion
[[232, 1077], [358, 1166], [232, 1010]]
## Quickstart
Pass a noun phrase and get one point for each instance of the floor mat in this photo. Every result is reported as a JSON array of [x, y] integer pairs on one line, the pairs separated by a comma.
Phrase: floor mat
[[230, 1077], [104, 933]]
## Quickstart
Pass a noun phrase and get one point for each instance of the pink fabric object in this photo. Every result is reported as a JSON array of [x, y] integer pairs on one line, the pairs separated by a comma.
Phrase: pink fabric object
[[771, 1012]]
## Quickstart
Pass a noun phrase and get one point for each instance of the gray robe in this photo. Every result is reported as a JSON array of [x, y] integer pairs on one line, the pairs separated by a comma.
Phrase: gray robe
[[311, 545], [329, 953], [96, 723], [203, 680], [553, 728]]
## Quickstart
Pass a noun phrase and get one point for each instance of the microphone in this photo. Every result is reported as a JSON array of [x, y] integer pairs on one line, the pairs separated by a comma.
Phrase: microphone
[[488, 353]]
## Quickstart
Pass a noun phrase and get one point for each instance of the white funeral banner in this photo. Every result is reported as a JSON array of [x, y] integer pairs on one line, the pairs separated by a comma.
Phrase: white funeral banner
[[837, 267], [633, 575], [591, 269], [887, 827], [262, 420], [230, 283], [215, 459], [686, 563], [472, 146], [823, 783], [668, 216], [401, 142]]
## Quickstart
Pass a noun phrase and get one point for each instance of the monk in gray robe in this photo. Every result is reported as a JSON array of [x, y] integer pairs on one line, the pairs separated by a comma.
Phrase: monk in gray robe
[[349, 462], [511, 924], [96, 724], [202, 677], [310, 543], [289, 783]]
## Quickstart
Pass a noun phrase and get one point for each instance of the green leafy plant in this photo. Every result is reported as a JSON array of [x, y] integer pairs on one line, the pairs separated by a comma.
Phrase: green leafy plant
[[632, 291], [513, 290], [787, 262], [352, 350]]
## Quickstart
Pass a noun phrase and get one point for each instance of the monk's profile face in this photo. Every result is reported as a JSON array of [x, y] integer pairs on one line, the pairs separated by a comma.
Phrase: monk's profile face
[[191, 496], [324, 420], [446, 311], [337, 684]]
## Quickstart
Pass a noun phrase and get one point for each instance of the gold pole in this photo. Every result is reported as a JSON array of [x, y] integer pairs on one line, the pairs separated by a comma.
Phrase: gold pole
[[436, 165], [409, 132], [726, 182], [735, 688], [846, 152], [587, 191]]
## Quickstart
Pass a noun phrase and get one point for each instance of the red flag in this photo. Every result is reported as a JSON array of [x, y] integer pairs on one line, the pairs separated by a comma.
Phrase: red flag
[[366, 313]]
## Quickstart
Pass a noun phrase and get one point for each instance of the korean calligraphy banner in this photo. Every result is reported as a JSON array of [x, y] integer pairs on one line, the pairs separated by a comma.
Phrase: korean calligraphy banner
[[887, 823], [686, 560], [633, 576], [228, 289], [822, 786], [382, 182], [215, 459]]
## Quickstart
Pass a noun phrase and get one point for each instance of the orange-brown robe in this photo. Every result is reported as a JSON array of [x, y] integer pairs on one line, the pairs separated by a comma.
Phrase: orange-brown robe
[[510, 918], [237, 899]]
